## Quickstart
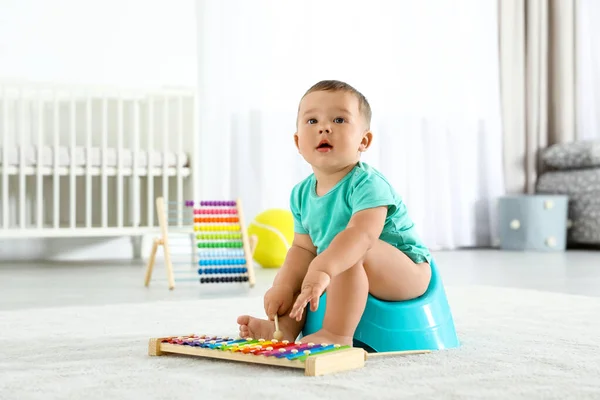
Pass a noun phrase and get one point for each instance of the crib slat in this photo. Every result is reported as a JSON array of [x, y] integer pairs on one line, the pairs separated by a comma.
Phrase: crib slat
[[56, 176], [150, 197], [72, 204], [23, 143], [39, 201], [120, 202], [5, 128], [165, 171], [88, 157], [177, 159], [104, 182], [135, 207]]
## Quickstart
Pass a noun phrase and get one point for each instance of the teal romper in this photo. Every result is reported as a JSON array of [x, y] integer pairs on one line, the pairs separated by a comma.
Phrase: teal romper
[[323, 217]]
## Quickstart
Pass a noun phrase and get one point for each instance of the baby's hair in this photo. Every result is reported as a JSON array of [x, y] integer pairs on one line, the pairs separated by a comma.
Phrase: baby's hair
[[334, 86]]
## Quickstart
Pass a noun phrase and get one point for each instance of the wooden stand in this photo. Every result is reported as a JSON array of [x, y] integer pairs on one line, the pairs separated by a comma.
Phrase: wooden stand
[[248, 244], [314, 365], [163, 241]]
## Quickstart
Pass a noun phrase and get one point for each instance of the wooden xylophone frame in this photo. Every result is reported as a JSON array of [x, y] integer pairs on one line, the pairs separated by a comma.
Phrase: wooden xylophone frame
[[344, 359]]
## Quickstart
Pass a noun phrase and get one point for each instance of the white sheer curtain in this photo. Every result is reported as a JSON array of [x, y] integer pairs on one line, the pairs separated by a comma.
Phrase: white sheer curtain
[[588, 69], [429, 69]]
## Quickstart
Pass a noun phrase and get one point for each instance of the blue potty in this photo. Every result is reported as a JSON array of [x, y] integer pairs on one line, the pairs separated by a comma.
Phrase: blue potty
[[424, 323]]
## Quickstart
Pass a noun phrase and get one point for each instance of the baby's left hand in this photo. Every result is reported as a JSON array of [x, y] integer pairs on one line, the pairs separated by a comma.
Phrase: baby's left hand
[[313, 286]]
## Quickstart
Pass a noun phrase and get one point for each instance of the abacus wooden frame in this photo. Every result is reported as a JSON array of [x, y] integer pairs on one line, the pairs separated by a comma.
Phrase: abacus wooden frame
[[249, 245]]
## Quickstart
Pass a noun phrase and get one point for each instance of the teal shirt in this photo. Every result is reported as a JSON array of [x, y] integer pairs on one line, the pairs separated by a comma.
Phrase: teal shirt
[[323, 217]]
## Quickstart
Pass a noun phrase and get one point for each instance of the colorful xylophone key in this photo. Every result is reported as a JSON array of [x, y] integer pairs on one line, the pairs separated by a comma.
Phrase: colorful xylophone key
[[267, 348]]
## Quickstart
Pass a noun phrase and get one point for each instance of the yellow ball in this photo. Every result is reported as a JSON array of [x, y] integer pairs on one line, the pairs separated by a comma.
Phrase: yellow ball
[[274, 230]]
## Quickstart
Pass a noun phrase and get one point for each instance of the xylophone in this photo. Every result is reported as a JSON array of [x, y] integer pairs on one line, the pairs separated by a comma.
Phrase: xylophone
[[314, 359], [221, 251]]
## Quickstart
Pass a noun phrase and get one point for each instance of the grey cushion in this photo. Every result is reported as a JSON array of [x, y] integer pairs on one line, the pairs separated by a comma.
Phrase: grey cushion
[[583, 154], [569, 182], [584, 216]]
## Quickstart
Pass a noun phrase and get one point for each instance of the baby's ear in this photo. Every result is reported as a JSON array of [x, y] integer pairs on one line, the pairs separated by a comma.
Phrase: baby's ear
[[296, 140], [366, 141]]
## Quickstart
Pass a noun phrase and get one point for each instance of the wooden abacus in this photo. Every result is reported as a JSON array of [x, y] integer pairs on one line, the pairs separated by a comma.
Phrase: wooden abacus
[[221, 249], [314, 359]]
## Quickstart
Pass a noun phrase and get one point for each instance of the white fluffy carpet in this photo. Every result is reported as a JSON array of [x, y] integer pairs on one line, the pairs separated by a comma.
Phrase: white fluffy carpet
[[515, 344]]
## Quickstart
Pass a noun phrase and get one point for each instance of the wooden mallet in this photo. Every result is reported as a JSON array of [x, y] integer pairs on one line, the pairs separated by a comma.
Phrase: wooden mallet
[[277, 334]]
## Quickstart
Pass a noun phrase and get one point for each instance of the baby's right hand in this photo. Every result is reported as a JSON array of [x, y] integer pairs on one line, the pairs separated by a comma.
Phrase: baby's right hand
[[278, 300]]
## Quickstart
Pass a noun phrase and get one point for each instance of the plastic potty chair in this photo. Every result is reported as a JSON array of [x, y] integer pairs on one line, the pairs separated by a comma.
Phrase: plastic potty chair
[[424, 323]]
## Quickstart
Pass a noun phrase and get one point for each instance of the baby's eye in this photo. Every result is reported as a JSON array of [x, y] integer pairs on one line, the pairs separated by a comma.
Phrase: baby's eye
[[312, 121], [339, 120]]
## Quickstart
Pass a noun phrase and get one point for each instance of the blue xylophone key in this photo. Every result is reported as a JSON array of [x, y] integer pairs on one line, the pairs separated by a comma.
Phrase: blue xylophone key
[[288, 350], [313, 350]]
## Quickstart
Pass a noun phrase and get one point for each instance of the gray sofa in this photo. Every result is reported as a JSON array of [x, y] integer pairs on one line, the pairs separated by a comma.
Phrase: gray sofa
[[573, 169]]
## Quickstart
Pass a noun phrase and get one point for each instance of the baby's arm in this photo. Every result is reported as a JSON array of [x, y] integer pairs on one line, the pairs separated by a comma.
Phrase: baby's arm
[[289, 278], [351, 245], [346, 249], [298, 258]]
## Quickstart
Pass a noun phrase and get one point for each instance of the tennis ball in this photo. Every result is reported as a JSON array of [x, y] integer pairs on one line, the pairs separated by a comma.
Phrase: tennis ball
[[274, 229]]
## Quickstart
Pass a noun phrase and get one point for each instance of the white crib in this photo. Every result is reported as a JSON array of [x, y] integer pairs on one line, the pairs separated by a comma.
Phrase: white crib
[[90, 161]]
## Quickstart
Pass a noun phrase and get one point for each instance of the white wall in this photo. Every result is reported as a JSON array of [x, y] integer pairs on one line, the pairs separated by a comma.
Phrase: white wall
[[116, 42], [130, 42]]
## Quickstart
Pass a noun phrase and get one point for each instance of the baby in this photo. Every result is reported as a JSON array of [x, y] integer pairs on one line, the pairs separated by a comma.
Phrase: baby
[[352, 232]]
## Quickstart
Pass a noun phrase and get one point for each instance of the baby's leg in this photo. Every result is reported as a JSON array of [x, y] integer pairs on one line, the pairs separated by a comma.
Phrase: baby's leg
[[346, 300], [386, 273], [393, 276]]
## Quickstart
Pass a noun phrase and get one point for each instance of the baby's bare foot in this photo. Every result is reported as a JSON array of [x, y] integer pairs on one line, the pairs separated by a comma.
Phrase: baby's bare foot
[[256, 328], [324, 336]]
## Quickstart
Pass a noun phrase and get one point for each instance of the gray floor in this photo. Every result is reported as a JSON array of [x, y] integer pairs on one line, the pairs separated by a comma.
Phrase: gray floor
[[31, 285]]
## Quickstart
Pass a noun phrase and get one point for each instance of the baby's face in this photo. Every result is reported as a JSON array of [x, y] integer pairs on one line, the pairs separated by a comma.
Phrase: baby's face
[[331, 130]]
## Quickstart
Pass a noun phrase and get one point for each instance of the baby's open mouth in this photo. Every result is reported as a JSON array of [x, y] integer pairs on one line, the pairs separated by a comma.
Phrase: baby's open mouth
[[324, 145]]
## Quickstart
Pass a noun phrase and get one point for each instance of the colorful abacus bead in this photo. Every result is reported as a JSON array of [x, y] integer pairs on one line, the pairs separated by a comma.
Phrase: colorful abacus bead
[[217, 203], [218, 236], [232, 270], [217, 245], [216, 220], [224, 279], [220, 253], [223, 261]]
